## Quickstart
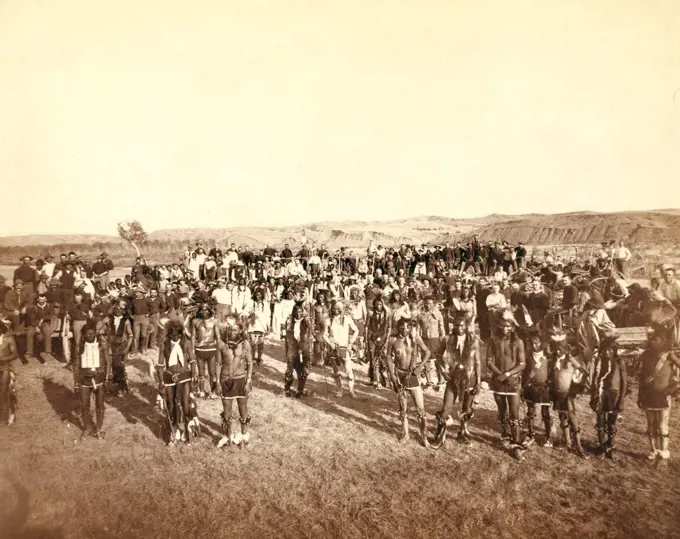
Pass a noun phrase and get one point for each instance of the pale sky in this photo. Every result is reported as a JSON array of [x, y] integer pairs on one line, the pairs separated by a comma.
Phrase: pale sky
[[260, 113]]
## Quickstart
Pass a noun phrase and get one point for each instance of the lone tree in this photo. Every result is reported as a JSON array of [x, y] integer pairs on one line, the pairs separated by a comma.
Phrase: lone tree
[[133, 233]]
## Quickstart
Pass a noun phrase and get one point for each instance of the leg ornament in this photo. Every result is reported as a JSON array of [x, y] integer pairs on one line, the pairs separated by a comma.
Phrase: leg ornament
[[440, 432]]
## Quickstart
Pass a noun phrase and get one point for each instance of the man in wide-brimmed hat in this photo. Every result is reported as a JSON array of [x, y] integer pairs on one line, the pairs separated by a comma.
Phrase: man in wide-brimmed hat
[[15, 304], [41, 316], [54, 295], [669, 288], [100, 272], [79, 313], [67, 279], [16, 307], [43, 284], [28, 275]]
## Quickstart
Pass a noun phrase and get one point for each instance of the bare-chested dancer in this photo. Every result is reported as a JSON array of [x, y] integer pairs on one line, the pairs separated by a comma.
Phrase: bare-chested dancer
[[402, 357], [505, 359], [569, 379], [463, 374], [204, 340], [536, 387], [320, 315], [236, 379]]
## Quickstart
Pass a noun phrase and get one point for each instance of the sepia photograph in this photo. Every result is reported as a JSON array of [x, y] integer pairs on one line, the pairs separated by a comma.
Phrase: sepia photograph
[[339, 269]]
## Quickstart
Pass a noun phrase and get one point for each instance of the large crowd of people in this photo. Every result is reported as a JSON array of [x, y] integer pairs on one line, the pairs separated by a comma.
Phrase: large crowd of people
[[537, 330]]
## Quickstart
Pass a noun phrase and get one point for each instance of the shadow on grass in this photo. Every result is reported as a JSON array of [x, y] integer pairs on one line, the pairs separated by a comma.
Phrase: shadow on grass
[[62, 400], [142, 365], [139, 408], [371, 407], [14, 523], [133, 408]]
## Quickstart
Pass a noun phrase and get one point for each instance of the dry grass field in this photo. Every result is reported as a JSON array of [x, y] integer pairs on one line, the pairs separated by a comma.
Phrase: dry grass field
[[317, 467]]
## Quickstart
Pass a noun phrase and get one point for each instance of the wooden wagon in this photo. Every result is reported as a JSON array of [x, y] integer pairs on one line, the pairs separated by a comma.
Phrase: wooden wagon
[[632, 338], [631, 342]]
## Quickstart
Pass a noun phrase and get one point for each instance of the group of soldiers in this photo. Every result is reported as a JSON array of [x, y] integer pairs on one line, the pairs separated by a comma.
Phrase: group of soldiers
[[420, 319]]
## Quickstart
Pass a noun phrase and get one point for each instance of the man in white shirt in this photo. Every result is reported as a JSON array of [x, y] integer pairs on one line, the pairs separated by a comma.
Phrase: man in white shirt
[[223, 297], [370, 251], [338, 338], [314, 264], [48, 267], [290, 268], [230, 260], [186, 256], [295, 268], [201, 257], [496, 303], [621, 257]]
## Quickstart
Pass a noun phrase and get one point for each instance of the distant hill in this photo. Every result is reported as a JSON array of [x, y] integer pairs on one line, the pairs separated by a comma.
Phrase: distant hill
[[56, 239], [639, 227], [648, 227]]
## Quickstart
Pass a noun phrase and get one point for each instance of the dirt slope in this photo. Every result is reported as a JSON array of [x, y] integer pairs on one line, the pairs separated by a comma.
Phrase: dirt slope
[[579, 228], [637, 228]]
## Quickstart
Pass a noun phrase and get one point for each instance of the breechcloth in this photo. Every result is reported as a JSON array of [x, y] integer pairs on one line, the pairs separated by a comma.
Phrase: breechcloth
[[509, 387], [561, 401], [537, 394], [610, 400], [293, 363], [205, 353], [459, 384], [561, 398], [91, 377], [234, 388], [338, 357], [654, 400], [407, 379], [171, 378]]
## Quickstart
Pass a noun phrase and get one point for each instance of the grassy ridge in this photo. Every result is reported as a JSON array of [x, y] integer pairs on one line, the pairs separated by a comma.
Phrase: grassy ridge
[[317, 467]]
